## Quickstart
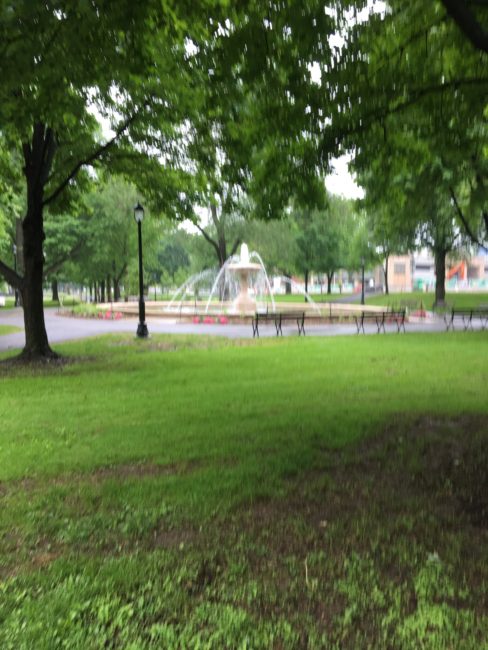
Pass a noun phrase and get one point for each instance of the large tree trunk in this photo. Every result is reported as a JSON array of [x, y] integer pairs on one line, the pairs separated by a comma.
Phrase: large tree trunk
[[440, 278], [38, 157], [54, 288], [102, 291], [306, 284]]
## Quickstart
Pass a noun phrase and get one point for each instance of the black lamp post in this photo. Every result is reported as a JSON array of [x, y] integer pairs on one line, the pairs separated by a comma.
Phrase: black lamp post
[[16, 294], [141, 327], [362, 280]]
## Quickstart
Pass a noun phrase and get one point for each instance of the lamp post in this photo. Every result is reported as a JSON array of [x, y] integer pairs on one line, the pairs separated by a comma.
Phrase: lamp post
[[141, 327], [16, 293], [362, 280]]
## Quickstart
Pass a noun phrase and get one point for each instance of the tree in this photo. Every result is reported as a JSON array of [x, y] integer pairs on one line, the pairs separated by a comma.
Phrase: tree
[[408, 185], [436, 228], [66, 235], [307, 244], [171, 259], [133, 58], [276, 243], [321, 238], [226, 222], [334, 228]]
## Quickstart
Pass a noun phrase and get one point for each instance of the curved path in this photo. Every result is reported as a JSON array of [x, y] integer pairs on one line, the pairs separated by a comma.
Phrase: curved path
[[66, 328]]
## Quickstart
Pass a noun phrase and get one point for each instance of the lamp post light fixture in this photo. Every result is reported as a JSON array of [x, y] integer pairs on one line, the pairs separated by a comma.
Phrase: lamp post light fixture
[[362, 280], [16, 293], [141, 327]]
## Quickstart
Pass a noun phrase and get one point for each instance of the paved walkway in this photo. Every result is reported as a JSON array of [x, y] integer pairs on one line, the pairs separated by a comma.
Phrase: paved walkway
[[63, 328]]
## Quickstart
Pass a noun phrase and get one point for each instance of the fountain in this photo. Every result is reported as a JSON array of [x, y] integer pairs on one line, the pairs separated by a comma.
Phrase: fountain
[[236, 291], [240, 288], [244, 304], [235, 278]]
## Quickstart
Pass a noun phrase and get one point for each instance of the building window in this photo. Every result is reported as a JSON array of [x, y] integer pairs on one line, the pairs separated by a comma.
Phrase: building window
[[399, 269], [423, 267]]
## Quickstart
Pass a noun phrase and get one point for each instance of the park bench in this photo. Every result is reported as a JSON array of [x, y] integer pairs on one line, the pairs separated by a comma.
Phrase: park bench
[[467, 316], [278, 319], [380, 318]]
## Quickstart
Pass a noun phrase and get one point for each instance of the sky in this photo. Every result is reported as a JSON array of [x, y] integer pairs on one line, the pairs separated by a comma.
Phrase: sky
[[341, 182]]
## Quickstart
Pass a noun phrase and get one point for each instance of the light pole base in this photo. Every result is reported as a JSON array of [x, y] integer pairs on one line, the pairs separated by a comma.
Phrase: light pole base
[[142, 332]]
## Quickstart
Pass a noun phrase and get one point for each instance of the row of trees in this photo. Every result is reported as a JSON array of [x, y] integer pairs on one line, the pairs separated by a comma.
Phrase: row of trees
[[95, 244], [305, 241]]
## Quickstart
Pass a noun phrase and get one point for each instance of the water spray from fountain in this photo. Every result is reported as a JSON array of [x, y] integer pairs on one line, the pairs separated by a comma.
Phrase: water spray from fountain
[[241, 287]]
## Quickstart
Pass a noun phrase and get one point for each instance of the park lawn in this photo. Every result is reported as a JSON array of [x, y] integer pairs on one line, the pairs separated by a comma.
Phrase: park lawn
[[417, 299], [8, 329], [298, 297], [188, 492], [9, 303], [67, 301]]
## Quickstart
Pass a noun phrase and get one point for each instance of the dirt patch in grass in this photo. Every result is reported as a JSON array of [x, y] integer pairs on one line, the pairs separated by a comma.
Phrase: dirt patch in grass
[[18, 366], [121, 473], [127, 471], [371, 522]]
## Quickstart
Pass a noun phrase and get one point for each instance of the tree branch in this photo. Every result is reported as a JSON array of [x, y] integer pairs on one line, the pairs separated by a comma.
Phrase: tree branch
[[209, 239], [235, 246], [95, 155], [467, 23], [13, 278], [55, 266], [464, 221], [367, 121]]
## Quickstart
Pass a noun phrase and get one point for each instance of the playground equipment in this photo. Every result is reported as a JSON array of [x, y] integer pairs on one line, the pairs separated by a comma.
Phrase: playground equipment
[[460, 269]]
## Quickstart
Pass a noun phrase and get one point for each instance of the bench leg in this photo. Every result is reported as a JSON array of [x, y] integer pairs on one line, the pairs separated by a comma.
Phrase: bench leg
[[255, 330], [301, 327]]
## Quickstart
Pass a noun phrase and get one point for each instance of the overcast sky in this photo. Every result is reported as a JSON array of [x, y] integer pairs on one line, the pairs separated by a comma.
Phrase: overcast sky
[[341, 182]]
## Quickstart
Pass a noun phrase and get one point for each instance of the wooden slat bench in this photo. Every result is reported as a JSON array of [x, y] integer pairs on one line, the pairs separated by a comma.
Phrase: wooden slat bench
[[467, 316], [380, 318], [278, 319]]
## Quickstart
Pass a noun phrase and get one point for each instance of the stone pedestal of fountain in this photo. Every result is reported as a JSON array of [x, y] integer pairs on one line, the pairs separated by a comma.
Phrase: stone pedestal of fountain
[[244, 304]]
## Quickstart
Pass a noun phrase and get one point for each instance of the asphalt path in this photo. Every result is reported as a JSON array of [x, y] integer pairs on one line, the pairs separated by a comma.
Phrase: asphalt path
[[67, 328]]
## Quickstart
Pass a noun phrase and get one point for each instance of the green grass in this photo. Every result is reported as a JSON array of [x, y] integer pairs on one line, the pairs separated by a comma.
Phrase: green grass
[[67, 301], [9, 303], [298, 297], [8, 329], [417, 298], [188, 492]]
